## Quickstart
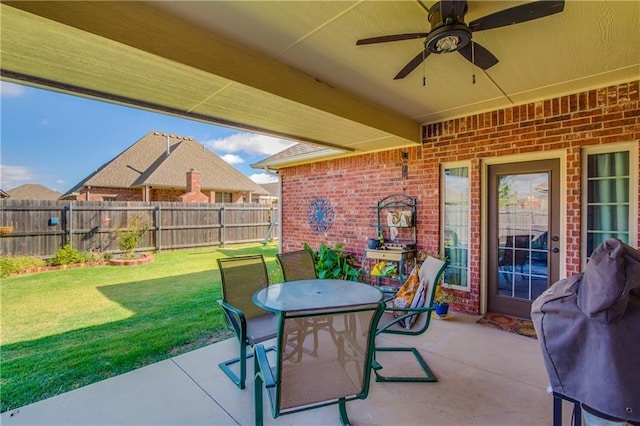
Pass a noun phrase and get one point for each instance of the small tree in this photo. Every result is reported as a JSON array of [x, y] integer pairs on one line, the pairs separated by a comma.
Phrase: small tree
[[129, 237]]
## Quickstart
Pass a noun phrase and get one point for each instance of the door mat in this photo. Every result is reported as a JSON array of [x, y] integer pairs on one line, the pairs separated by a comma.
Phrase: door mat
[[508, 323]]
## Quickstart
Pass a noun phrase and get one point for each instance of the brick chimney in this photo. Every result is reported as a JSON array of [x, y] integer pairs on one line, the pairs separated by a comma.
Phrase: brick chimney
[[194, 181], [194, 184]]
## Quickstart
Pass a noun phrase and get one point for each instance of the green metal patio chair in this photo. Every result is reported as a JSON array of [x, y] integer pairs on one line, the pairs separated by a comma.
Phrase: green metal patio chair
[[243, 276], [340, 371], [300, 265], [429, 275], [297, 265]]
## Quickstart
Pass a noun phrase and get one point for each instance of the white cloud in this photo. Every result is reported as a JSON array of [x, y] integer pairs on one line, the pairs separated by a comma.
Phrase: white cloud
[[249, 143], [232, 159], [11, 90], [12, 176], [261, 178]]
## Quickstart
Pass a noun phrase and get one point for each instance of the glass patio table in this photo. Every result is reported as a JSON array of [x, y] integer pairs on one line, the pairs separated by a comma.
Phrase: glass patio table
[[315, 294], [316, 300]]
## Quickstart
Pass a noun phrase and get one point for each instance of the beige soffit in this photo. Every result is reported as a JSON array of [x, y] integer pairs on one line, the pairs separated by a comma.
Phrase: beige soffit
[[133, 52], [292, 68]]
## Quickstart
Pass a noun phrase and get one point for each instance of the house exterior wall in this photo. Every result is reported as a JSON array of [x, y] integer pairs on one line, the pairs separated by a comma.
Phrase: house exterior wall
[[101, 194], [354, 184], [155, 194]]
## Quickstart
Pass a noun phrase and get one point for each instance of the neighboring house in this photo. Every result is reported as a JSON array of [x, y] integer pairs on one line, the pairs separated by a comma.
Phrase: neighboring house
[[272, 196], [166, 167], [3, 194], [561, 174], [32, 191]]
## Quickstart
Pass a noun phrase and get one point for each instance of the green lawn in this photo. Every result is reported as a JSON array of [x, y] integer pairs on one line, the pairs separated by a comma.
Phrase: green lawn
[[69, 328]]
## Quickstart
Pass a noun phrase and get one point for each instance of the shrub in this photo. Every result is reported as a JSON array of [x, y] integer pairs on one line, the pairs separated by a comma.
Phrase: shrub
[[334, 263], [15, 264], [130, 237], [67, 255]]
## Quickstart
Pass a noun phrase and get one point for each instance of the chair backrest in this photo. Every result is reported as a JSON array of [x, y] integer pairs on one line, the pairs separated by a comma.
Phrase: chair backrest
[[297, 265], [242, 277], [341, 366], [429, 275]]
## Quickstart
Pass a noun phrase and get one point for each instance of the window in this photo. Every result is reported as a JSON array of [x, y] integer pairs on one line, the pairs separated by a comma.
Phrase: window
[[610, 194], [223, 197], [456, 224]]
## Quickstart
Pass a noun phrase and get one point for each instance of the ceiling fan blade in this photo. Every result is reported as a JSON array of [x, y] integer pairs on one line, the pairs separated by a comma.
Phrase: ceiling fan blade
[[412, 65], [452, 9], [518, 14], [478, 55], [393, 37]]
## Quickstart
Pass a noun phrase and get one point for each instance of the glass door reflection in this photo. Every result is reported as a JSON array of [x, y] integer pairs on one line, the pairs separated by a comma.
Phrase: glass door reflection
[[523, 230]]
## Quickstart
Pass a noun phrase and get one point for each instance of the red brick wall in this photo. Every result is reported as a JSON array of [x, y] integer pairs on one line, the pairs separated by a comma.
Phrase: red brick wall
[[170, 195], [126, 194], [166, 194], [99, 194], [354, 184]]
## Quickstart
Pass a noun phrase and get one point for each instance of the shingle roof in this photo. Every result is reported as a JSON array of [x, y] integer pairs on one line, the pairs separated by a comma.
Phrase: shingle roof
[[272, 188], [33, 191], [297, 152], [146, 163]]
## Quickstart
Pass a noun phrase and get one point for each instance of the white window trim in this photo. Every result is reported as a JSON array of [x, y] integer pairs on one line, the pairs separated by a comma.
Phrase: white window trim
[[632, 147], [443, 167]]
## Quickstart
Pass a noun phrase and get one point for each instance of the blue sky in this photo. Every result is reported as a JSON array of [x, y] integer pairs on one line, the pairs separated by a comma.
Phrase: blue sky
[[56, 140]]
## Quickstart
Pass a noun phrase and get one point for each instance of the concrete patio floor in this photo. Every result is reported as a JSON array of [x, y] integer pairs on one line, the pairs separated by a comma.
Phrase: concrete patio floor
[[486, 377]]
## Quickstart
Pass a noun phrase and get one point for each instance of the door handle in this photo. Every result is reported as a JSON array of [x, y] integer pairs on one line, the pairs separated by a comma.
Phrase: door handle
[[555, 238], [555, 250]]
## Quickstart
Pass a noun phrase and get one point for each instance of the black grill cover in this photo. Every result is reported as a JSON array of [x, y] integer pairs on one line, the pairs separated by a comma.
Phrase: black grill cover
[[588, 326]]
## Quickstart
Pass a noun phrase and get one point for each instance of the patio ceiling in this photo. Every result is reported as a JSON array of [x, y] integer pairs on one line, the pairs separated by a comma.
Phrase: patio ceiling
[[292, 69]]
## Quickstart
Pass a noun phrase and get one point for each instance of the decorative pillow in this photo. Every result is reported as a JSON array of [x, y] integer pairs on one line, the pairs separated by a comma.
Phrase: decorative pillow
[[419, 301], [409, 296], [412, 295]]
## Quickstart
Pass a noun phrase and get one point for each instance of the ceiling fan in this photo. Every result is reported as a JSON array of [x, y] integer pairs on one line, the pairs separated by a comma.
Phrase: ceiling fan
[[449, 32]]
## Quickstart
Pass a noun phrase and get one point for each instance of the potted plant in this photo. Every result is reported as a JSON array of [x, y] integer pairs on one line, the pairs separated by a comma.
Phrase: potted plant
[[372, 243], [441, 301], [377, 241]]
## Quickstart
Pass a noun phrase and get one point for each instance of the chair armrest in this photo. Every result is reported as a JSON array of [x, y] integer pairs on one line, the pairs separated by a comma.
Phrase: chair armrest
[[410, 310], [388, 298], [262, 366], [408, 313], [235, 318]]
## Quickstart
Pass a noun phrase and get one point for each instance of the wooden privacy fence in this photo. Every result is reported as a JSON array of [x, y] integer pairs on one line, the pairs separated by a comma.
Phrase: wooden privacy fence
[[41, 227]]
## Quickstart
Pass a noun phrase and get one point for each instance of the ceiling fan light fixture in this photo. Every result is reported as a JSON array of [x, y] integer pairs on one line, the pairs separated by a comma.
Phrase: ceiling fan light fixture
[[447, 43], [448, 38]]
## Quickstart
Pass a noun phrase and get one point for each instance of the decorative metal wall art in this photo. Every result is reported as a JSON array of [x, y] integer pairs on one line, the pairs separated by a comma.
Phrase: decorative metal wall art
[[320, 215]]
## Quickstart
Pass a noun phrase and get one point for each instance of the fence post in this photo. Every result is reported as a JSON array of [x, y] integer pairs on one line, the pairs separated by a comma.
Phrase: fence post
[[71, 223], [158, 220], [222, 225], [64, 223]]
